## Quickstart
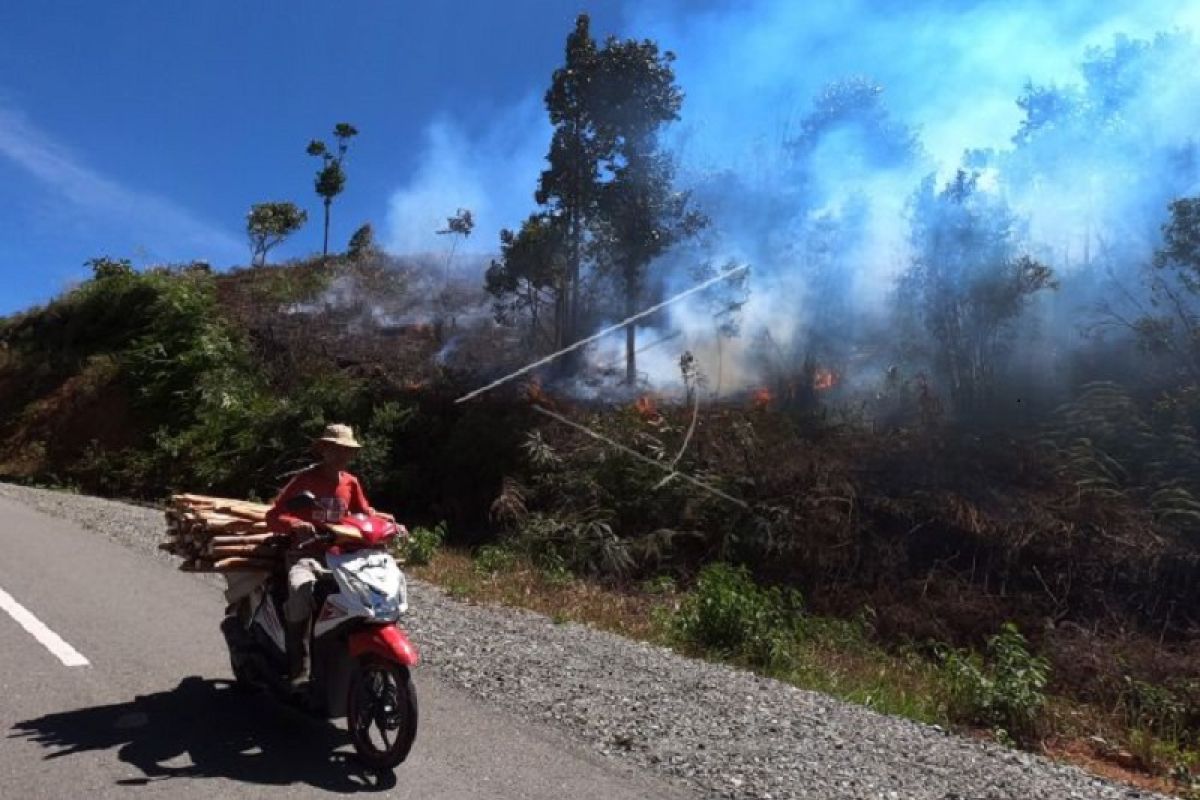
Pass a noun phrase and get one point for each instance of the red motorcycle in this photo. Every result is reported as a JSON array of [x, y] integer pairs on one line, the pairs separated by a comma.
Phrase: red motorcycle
[[361, 660]]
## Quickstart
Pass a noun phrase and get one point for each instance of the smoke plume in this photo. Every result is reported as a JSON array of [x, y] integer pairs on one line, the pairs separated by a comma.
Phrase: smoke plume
[[808, 128]]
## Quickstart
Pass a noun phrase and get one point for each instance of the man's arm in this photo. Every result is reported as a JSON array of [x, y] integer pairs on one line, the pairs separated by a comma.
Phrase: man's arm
[[279, 519], [358, 499]]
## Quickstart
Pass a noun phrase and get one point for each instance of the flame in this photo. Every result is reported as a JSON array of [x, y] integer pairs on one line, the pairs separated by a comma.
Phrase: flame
[[646, 407], [535, 393], [761, 398], [824, 378]]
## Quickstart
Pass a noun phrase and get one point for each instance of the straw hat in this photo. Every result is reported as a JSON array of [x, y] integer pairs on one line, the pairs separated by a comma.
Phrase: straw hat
[[340, 435]]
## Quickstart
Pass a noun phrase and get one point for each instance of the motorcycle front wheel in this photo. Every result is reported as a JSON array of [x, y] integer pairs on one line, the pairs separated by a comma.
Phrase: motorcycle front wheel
[[381, 712]]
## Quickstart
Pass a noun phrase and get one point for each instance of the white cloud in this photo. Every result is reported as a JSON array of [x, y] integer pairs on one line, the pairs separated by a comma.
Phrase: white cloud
[[157, 223]]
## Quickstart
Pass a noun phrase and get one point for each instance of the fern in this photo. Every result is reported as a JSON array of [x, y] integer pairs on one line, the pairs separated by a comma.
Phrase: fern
[[539, 452], [509, 507], [1107, 448]]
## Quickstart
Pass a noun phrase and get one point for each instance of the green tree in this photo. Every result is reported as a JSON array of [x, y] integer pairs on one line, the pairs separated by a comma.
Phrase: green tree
[[567, 192], [268, 224], [968, 284], [633, 96], [528, 280], [331, 177], [104, 267], [570, 187], [459, 226], [1175, 288], [362, 243], [606, 198], [450, 297]]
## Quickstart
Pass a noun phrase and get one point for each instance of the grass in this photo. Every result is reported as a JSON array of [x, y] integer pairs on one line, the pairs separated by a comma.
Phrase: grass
[[833, 656], [561, 597]]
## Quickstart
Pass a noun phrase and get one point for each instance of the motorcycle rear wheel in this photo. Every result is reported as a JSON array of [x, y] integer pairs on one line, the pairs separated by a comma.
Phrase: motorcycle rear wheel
[[381, 713]]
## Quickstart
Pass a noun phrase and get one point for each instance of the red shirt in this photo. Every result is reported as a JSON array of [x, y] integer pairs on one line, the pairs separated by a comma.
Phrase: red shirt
[[335, 499]]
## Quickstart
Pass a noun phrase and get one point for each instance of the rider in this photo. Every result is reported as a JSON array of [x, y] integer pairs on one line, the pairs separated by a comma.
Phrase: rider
[[338, 493]]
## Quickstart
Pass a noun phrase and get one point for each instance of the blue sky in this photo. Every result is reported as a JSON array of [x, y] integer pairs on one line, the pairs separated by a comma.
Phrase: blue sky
[[146, 129]]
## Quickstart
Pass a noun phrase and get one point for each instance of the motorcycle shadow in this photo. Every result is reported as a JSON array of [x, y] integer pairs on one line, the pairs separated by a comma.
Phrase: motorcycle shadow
[[222, 731]]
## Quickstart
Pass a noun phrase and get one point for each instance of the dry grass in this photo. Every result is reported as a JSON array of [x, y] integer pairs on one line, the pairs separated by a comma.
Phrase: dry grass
[[560, 597]]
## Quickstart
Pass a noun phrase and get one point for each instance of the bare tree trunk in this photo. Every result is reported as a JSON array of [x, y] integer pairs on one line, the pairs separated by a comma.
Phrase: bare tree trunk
[[573, 302], [560, 316], [630, 331], [325, 246], [720, 364]]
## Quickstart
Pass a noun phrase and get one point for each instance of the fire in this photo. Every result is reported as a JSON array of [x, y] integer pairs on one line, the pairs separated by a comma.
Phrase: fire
[[762, 398], [824, 378], [646, 407], [535, 393]]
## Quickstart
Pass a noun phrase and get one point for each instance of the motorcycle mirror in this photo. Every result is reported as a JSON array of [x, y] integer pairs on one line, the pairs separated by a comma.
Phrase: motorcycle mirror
[[305, 499]]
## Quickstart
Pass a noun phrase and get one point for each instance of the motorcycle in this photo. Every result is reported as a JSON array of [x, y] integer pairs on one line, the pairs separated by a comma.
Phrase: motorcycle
[[361, 660]]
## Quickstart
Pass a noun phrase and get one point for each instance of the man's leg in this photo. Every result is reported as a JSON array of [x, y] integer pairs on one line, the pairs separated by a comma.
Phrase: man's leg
[[302, 580]]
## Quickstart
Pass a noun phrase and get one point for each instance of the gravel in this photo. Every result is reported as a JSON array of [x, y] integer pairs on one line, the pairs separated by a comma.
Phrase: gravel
[[727, 732]]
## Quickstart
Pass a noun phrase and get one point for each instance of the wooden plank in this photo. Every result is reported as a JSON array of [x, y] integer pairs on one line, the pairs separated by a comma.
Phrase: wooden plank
[[248, 550]]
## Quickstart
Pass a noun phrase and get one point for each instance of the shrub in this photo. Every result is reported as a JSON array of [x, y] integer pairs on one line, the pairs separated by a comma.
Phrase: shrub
[[660, 584], [728, 613], [376, 462], [422, 544], [491, 559], [1154, 708], [583, 542], [1006, 694]]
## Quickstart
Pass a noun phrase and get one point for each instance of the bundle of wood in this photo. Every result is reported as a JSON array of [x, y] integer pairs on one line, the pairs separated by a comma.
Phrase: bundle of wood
[[217, 534]]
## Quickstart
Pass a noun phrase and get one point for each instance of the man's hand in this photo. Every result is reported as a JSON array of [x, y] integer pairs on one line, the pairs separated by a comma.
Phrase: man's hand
[[303, 528]]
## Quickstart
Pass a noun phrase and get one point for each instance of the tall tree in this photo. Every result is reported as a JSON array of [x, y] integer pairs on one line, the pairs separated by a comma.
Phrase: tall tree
[[968, 283], [450, 296], [459, 226], [268, 224], [331, 177], [569, 187], [641, 216], [1174, 326], [567, 193], [607, 206]]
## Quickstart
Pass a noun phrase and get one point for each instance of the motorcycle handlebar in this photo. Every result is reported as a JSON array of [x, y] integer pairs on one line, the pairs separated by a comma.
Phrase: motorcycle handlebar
[[325, 536]]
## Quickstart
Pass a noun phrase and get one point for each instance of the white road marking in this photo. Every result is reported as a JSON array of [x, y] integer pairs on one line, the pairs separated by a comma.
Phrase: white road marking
[[68, 655]]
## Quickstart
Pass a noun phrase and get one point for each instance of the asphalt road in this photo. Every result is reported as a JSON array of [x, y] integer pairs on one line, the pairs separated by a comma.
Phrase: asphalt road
[[152, 714]]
